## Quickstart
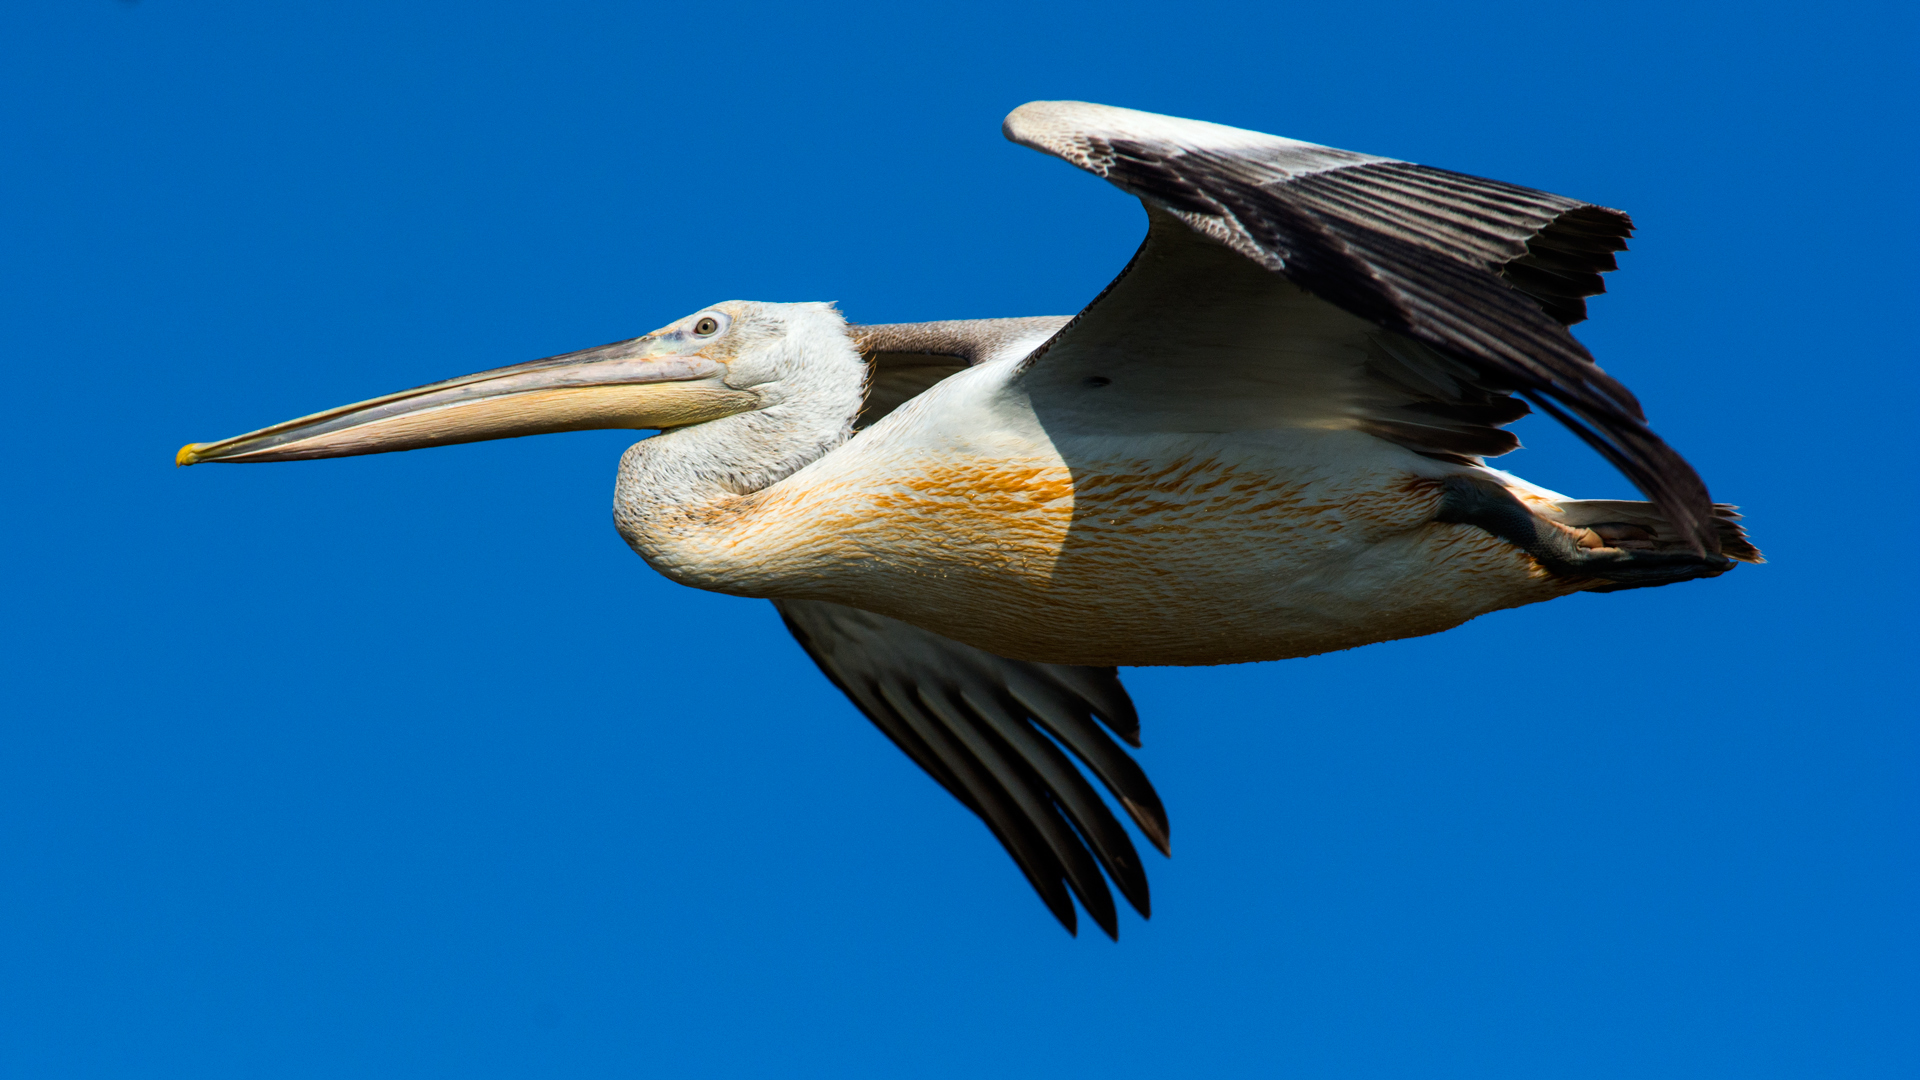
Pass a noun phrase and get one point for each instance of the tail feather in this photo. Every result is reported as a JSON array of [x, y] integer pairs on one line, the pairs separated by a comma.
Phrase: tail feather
[[1606, 545], [1646, 527]]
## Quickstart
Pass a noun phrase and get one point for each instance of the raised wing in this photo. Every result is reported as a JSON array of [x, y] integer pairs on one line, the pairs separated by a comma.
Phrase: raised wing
[[1395, 298], [990, 731]]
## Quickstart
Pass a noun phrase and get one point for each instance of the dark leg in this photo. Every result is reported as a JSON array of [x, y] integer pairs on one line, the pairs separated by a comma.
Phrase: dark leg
[[1488, 505]]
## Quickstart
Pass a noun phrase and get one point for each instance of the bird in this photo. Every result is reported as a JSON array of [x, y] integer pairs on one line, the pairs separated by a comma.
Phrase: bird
[[1267, 437]]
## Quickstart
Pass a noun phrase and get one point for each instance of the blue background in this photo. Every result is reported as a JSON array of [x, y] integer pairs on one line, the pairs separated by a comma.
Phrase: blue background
[[405, 766]]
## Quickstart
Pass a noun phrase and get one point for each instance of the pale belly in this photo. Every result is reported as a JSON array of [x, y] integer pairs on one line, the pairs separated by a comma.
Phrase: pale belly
[[1228, 552]]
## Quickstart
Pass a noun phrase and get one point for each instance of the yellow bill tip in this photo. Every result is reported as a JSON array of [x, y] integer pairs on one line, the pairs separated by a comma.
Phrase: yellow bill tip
[[188, 455]]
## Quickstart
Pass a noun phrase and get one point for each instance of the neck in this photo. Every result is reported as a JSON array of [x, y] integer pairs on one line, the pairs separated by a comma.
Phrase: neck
[[679, 492]]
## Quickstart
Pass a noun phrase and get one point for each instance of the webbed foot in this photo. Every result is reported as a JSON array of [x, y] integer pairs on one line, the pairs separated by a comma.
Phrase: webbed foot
[[1628, 553]]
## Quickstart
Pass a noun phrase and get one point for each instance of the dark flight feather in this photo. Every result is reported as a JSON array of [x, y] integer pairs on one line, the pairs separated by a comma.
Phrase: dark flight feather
[[1487, 273], [984, 727]]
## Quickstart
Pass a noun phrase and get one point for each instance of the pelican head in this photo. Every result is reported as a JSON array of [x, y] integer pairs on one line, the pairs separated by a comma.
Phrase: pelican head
[[721, 361]]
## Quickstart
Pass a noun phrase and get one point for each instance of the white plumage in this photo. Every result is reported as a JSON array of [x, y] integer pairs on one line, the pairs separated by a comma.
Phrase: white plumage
[[1265, 439]]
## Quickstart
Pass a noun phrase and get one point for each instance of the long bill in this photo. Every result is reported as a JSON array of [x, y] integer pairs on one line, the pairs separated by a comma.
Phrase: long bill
[[645, 383]]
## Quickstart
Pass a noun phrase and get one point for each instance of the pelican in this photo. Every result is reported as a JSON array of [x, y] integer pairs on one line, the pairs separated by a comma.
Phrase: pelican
[[1266, 438]]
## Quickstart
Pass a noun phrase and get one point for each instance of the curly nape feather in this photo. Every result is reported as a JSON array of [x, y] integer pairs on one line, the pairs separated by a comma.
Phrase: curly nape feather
[[800, 360]]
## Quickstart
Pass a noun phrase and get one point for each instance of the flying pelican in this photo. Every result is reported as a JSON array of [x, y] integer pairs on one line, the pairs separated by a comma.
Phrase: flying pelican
[[1265, 439]]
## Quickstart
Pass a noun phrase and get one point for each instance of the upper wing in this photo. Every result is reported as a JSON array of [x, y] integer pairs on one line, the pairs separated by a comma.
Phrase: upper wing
[[986, 729], [1396, 298]]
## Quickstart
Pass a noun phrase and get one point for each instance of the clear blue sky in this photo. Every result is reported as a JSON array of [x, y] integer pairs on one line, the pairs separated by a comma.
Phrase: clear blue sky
[[405, 766]]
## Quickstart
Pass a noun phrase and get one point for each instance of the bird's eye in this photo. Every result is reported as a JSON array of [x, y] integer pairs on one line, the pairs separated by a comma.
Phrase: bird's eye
[[705, 326]]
